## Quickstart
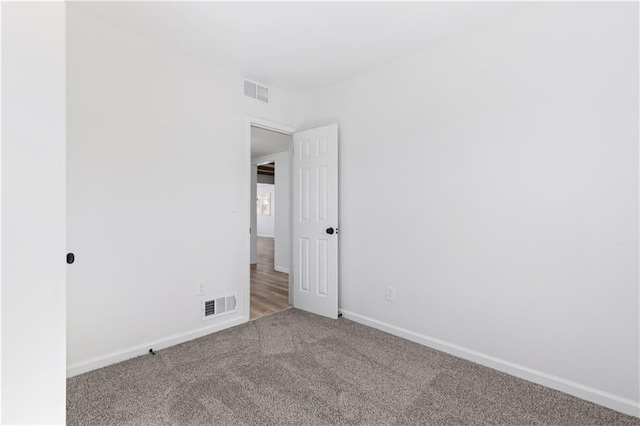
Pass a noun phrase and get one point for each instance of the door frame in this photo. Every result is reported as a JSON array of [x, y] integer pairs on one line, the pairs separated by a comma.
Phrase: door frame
[[252, 121]]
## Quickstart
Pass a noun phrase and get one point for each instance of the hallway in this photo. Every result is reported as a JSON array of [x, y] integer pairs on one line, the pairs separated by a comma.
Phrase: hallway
[[269, 288]]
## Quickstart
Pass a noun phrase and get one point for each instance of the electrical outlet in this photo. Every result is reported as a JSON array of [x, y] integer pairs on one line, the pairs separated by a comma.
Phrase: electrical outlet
[[390, 294], [200, 290]]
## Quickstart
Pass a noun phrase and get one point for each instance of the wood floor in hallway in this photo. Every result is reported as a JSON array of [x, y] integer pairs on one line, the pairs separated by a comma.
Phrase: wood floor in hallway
[[269, 288]]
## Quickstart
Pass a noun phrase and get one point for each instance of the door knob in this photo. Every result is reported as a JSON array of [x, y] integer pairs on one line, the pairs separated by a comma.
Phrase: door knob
[[330, 231]]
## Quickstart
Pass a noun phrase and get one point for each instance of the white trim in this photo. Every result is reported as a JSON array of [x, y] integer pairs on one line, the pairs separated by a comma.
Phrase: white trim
[[132, 352], [269, 125], [281, 269], [265, 236], [638, 305], [1, 209], [276, 127], [597, 396]]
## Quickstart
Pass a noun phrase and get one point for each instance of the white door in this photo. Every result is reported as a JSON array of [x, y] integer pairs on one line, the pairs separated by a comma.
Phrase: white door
[[315, 220]]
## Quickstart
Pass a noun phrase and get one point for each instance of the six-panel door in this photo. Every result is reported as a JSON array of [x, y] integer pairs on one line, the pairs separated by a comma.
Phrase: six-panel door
[[315, 220]]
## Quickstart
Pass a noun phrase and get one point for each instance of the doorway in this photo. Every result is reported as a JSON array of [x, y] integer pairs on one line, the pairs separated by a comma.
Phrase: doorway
[[311, 242], [270, 222]]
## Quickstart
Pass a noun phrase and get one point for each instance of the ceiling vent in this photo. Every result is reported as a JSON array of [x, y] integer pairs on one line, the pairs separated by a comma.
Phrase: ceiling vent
[[256, 91], [218, 306]]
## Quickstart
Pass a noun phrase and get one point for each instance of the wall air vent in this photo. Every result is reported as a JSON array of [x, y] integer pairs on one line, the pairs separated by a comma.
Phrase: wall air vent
[[256, 91], [209, 308], [231, 303], [218, 306]]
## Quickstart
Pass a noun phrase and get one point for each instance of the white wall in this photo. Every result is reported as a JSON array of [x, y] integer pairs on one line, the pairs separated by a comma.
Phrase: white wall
[[282, 248], [507, 219], [253, 250], [157, 192], [282, 225], [507, 214], [266, 179], [266, 223], [33, 213]]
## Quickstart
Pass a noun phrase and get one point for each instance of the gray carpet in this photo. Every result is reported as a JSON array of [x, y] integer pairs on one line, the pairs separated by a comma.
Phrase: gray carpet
[[296, 368]]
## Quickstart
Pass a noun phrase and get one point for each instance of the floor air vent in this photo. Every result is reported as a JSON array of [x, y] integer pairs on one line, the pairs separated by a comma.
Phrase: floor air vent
[[218, 306]]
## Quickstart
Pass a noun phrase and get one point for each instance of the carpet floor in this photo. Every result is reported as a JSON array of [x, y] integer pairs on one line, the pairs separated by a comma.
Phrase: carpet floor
[[295, 368]]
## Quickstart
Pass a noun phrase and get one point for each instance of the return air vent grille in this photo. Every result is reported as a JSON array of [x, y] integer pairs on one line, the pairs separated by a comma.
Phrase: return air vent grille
[[231, 303], [221, 305], [218, 306], [256, 91], [209, 308]]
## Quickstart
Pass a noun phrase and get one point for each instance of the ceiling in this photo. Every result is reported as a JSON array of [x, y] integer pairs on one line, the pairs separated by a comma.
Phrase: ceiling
[[268, 169], [265, 142], [296, 46]]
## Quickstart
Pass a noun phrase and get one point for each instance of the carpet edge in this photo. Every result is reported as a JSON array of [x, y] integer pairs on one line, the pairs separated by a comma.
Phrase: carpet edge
[[142, 349], [597, 396]]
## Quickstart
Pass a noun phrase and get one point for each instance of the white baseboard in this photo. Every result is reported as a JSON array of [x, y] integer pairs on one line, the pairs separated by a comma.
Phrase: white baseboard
[[125, 354], [281, 269], [597, 396], [266, 236]]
